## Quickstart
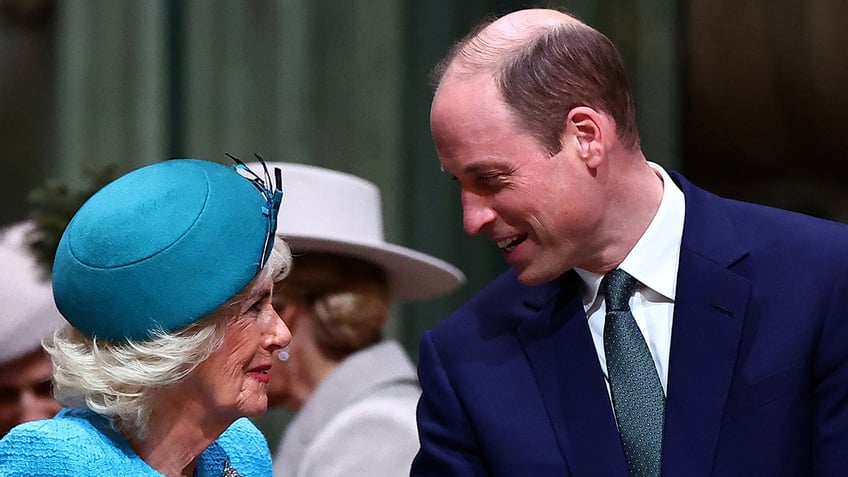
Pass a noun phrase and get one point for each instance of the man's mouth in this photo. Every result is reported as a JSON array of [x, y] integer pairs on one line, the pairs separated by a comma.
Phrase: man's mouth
[[509, 244]]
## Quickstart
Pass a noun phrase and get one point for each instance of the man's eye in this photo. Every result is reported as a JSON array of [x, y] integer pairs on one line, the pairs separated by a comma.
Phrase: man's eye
[[490, 181]]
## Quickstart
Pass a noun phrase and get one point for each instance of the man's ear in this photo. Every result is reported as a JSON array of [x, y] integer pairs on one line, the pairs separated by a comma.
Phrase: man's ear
[[586, 128]]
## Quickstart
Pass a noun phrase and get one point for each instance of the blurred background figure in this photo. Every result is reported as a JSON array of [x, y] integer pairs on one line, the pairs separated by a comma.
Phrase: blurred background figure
[[354, 390], [28, 314]]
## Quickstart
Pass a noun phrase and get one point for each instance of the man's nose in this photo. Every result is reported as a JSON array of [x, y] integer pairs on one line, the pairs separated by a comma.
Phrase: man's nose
[[476, 213]]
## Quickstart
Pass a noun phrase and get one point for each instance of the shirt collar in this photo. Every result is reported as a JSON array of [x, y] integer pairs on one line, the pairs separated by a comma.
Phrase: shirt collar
[[655, 257]]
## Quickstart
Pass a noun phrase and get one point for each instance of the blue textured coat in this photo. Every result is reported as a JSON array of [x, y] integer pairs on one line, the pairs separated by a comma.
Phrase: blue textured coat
[[78, 443]]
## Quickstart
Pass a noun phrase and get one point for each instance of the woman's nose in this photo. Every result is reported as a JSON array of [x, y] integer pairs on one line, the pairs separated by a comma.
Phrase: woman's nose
[[279, 335]]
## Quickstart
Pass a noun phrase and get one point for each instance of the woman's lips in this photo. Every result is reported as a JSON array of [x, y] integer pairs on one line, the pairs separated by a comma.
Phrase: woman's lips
[[260, 373]]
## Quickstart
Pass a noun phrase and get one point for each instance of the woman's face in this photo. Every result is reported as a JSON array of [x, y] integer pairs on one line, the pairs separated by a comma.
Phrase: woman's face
[[233, 381]]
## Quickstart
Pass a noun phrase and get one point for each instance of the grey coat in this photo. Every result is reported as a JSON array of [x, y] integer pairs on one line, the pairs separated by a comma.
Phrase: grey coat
[[359, 422]]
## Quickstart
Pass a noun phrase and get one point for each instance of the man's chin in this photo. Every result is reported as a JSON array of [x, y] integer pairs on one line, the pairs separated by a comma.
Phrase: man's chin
[[530, 277]]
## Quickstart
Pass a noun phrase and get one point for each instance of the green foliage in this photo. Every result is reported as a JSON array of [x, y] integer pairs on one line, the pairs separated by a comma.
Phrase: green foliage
[[54, 203]]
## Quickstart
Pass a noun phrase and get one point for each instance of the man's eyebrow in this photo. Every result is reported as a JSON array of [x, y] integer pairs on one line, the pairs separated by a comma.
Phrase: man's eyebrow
[[487, 166], [481, 167]]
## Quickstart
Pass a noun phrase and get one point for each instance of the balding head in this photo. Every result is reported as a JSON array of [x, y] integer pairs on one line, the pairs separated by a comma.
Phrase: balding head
[[544, 63], [491, 43]]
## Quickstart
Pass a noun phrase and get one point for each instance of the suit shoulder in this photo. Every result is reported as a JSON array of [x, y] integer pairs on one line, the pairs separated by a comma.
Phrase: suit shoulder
[[494, 313], [490, 302], [767, 233], [777, 231]]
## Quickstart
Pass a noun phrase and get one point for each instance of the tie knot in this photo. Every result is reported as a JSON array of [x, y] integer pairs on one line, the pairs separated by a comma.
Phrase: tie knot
[[618, 287]]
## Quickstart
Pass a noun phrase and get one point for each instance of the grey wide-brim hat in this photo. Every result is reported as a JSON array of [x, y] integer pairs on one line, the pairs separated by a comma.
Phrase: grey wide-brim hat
[[329, 211], [28, 312]]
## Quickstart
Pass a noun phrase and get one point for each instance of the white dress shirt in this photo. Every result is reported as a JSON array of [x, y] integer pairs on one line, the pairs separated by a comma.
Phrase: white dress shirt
[[654, 262]]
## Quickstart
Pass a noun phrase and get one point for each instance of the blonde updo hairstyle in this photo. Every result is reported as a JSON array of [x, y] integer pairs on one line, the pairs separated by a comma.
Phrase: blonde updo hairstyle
[[348, 299], [121, 380]]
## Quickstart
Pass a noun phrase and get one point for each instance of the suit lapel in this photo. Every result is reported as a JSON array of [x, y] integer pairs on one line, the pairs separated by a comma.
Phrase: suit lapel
[[710, 307], [709, 312], [560, 350]]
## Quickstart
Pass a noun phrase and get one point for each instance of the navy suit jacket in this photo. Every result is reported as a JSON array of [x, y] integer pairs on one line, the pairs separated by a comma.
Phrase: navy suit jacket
[[758, 369]]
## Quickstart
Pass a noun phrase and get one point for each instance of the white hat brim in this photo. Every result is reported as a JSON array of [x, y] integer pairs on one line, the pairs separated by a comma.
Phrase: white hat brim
[[412, 275], [29, 313]]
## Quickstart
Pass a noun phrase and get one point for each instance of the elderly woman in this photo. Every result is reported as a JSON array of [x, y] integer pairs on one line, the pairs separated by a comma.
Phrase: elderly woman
[[165, 276]]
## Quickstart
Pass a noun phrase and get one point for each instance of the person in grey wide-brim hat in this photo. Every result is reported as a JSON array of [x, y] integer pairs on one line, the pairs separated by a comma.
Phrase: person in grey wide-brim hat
[[165, 276], [331, 211], [355, 390]]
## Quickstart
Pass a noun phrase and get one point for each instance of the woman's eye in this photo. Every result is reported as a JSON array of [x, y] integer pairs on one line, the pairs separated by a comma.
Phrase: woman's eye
[[259, 304]]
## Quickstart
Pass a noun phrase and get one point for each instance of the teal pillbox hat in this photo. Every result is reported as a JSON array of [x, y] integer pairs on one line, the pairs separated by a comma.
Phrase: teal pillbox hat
[[162, 247]]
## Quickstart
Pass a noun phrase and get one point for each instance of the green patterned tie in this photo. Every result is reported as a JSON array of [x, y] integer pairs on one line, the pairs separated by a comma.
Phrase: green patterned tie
[[637, 393]]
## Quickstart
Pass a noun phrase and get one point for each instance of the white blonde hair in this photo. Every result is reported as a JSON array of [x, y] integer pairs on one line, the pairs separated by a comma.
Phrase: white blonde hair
[[121, 380]]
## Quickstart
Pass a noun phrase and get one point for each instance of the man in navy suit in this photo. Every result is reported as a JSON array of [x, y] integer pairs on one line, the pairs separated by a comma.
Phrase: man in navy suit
[[744, 308]]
